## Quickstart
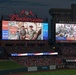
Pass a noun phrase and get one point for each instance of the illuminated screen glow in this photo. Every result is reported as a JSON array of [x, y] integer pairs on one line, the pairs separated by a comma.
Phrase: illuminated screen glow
[[15, 30], [65, 32]]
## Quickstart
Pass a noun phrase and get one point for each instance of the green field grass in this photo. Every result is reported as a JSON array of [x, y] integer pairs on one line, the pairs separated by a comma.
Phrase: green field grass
[[59, 72], [8, 64]]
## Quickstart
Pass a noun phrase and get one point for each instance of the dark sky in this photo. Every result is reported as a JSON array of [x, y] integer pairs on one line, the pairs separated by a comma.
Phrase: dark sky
[[40, 6]]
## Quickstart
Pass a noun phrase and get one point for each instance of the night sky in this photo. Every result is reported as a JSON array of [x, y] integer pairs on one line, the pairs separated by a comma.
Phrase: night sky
[[41, 7]]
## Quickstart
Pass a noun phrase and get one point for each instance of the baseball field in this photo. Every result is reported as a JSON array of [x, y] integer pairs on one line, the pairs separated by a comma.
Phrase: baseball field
[[58, 72], [7, 65]]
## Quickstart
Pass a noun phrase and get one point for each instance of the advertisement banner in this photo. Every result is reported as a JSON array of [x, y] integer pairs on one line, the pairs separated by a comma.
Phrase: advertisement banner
[[43, 68], [32, 68], [52, 67]]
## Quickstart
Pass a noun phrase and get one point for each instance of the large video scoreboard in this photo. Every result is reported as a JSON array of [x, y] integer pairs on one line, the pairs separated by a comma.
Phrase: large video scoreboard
[[18, 30], [65, 32]]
